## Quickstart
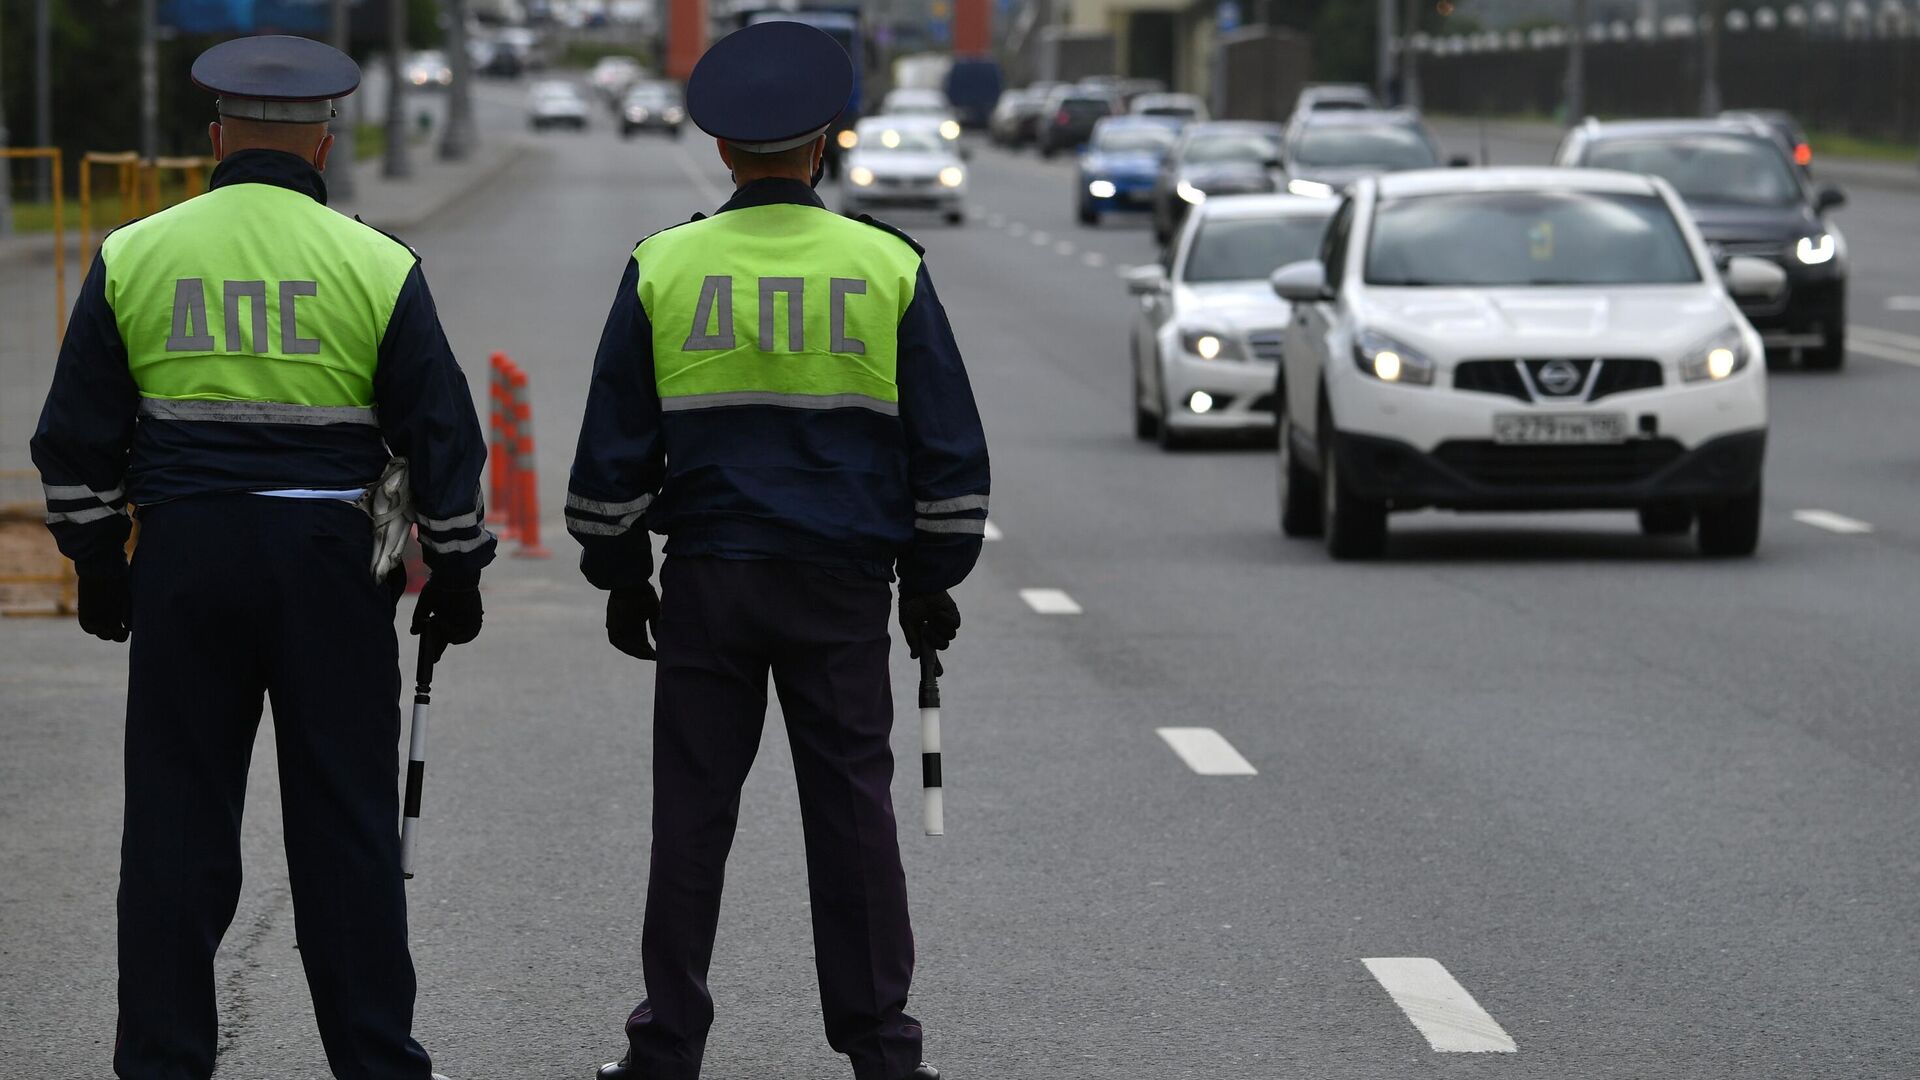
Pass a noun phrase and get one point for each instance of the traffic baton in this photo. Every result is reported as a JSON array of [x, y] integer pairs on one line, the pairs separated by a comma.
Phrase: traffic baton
[[935, 808], [430, 649]]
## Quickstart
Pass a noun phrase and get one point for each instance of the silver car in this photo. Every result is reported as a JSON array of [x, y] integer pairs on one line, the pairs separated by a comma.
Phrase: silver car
[[903, 162], [1207, 334]]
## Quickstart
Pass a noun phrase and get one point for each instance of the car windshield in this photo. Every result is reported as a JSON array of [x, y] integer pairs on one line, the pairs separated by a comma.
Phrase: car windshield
[[1388, 147], [1518, 238], [554, 92], [1081, 108], [917, 108], [1133, 140], [1249, 249], [1180, 112], [1248, 146], [652, 95], [902, 141], [1705, 168]]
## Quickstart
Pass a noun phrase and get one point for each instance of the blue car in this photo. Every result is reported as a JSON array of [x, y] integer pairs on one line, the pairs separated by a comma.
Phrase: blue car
[[1119, 163]]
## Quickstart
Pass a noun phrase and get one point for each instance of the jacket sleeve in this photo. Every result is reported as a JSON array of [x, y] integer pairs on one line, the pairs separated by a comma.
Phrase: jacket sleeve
[[947, 466], [621, 460], [427, 416], [85, 432]]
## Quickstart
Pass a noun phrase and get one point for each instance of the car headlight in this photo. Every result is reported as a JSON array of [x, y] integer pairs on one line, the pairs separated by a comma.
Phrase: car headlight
[[1716, 358], [1189, 193], [636, 114], [949, 129], [1102, 189], [1208, 344], [952, 176], [847, 139], [1390, 361], [674, 115], [861, 176], [1312, 189], [1814, 250]]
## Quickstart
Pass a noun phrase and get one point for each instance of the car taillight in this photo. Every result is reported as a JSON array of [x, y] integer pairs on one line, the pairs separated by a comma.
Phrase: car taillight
[[1061, 117], [1803, 154]]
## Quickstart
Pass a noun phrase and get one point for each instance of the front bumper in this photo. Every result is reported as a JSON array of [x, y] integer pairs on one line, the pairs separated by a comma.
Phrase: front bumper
[[936, 198], [1242, 393], [1469, 474], [1130, 195]]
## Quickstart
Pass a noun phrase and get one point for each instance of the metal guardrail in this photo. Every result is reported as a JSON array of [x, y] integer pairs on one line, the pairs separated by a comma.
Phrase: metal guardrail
[[139, 185]]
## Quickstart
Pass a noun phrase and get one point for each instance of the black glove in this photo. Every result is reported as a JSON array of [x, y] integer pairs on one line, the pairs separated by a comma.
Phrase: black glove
[[928, 621], [630, 614], [106, 605], [451, 612]]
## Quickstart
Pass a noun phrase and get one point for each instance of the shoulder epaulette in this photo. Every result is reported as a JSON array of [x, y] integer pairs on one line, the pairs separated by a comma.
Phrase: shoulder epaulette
[[696, 217], [869, 219], [390, 236]]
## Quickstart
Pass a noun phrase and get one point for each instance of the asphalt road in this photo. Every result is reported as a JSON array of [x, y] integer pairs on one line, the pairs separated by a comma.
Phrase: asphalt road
[[1655, 814]]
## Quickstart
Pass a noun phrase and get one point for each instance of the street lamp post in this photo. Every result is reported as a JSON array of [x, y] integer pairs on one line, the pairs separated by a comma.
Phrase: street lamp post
[[43, 90], [1576, 93], [1711, 10], [149, 79], [340, 166], [396, 165], [456, 143], [1383, 59], [6, 172]]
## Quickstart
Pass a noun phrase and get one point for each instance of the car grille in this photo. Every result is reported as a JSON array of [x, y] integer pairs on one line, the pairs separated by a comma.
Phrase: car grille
[[1523, 380], [906, 182], [1497, 465], [1267, 344]]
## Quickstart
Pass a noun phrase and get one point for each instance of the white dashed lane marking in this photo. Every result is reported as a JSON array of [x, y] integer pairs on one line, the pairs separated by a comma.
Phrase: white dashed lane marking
[[996, 220], [1439, 1006], [1903, 303], [1206, 751], [993, 531], [1094, 259], [1832, 522], [1064, 247], [1884, 344], [1050, 601], [1016, 228]]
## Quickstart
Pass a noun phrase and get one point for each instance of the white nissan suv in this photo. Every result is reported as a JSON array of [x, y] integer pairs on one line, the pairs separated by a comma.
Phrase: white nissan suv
[[1520, 339]]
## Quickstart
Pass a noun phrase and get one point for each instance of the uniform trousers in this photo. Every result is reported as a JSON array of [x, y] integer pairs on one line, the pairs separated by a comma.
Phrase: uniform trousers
[[237, 597], [822, 633]]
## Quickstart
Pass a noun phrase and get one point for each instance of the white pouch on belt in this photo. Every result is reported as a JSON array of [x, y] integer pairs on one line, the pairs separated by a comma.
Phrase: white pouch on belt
[[389, 502]]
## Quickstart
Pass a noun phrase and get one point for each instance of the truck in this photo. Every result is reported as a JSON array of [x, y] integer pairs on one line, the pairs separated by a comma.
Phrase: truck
[[1068, 55]]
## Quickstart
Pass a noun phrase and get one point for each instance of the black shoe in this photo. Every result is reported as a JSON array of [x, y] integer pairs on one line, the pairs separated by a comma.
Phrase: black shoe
[[619, 1070], [924, 1072]]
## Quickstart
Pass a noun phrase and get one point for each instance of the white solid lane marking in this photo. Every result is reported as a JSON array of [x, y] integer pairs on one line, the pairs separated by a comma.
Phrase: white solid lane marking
[[1883, 352], [1832, 522], [1050, 601], [1439, 1006], [1903, 303], [993, 531], [1064, 247], [1206, 751], [1094, 259]]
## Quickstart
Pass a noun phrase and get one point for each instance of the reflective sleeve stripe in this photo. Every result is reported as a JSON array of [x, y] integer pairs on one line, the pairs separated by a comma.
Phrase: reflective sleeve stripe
[[81, 517], [455, 547], [607, 509], [463, 521], [255, 412], [949, 506], [785, 401], [973, 526], [597, 528], [70, 492]]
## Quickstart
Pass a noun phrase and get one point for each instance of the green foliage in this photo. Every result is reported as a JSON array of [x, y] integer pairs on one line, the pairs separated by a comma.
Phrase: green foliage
[[1344, 41], [585, 54]]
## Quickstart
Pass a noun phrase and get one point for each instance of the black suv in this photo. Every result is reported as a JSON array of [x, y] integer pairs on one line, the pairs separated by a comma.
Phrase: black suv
[[1327, 149], [1744, 192], [1215, 157]]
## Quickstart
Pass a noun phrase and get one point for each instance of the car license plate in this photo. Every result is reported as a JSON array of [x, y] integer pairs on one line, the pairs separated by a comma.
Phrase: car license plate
[[1551, 429]]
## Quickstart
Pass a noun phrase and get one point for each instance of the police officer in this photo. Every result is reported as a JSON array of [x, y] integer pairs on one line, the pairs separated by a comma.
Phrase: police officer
[[778, 392], [240, 368]]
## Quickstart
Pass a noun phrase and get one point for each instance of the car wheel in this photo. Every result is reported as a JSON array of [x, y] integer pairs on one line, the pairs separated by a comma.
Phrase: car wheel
[[1088, 215], [1146, 426], [674, 131], [1830, 356], [956, 217], [1299, 488], [1666, 519], [1047, 150], [1170, 438], [1730, 528], [1355, 528]]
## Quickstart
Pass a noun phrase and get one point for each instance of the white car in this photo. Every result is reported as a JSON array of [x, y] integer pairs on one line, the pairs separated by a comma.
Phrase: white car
[[919, 101], [555, 103], [903, 162], [1207, 334], [1518, 339]]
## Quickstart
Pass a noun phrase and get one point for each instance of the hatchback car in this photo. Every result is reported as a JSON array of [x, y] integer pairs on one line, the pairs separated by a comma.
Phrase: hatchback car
[[1219, 157], [1326, 150], [1207, 333], [652, 106], [1520, 339], [556, 103], [903, 162], [1118, 167], [1181, 107], [1743, 191]]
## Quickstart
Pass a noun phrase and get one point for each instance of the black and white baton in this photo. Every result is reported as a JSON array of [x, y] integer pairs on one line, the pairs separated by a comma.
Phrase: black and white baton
[[935, 809], [430, 649]]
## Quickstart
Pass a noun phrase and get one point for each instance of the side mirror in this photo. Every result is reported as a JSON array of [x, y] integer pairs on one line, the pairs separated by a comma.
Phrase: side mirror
[[1828, 197], [1754, 279], [1301, 282], [1459, 161], [1274, 163], [1148, 280]]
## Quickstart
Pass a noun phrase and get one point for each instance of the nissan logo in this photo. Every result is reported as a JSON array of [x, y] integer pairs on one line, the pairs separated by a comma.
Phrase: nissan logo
[[1559, 377]]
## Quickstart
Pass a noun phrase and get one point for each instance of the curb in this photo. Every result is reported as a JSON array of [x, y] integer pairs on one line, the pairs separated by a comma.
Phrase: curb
[[452, 194]]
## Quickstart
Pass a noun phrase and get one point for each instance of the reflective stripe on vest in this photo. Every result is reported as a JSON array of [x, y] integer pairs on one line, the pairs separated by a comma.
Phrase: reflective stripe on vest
[[252, 293], [254, 412], [783, 305]]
